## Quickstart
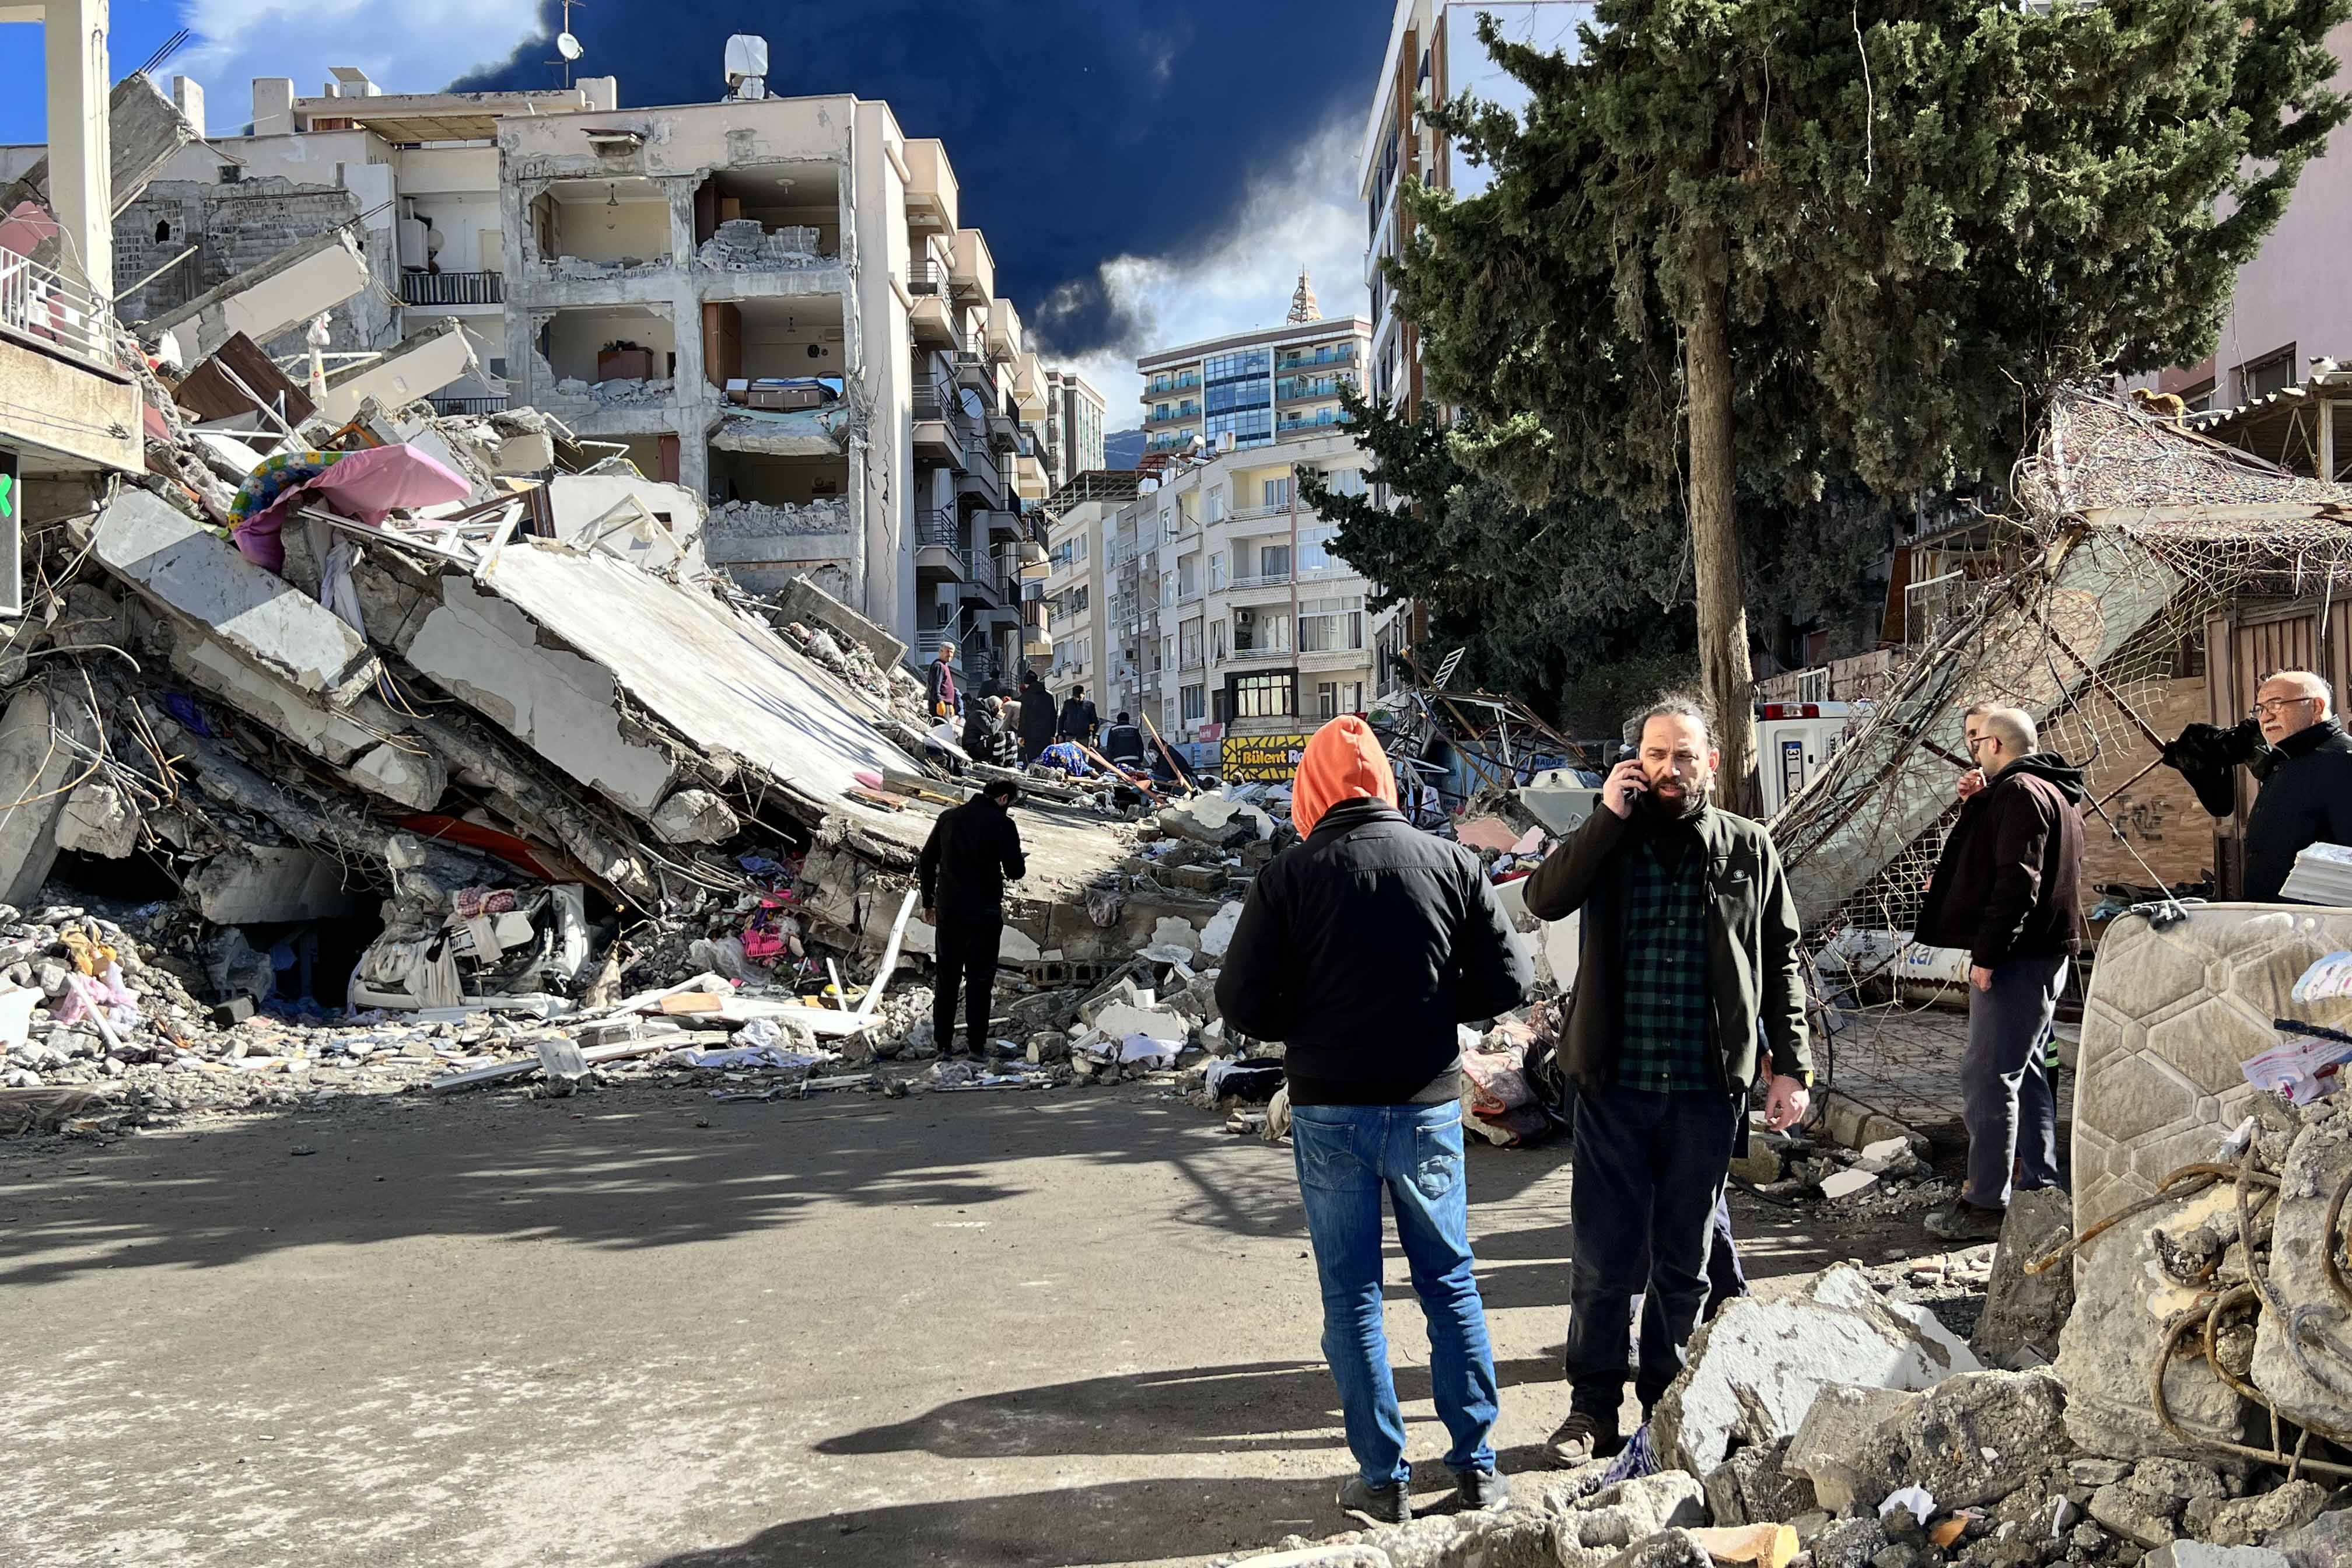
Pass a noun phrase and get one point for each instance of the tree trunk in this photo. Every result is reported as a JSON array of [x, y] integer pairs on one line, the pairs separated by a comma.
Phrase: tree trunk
[[1723, 664]]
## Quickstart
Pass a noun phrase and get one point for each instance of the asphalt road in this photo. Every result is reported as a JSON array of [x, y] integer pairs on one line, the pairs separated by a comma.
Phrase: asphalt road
[[638, 1329]]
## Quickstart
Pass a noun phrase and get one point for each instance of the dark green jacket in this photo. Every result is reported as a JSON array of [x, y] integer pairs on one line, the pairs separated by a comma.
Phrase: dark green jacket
[[1752, 959]]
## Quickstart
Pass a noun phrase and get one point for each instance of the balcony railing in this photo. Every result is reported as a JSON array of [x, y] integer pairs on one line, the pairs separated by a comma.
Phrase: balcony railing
[[1160, 386], [472, 406], [941, 528], [1295, 387], [1322, 421], [1182, 411], [1340, 354], [40, 302], [1263, 580], [1258, 653], [453, 288], [926, 278]]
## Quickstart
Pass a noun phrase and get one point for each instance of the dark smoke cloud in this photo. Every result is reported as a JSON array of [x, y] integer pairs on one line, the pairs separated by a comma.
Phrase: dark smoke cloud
[[1079, 130]]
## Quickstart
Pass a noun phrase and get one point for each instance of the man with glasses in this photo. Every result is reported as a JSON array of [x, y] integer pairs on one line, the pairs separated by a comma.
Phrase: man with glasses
[[2006, 890], [2306, 770]]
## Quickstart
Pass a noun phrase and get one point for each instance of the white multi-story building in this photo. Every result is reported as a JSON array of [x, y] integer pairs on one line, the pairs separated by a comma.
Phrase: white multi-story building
[[1221, 612], [1073, 427], [772, 302]]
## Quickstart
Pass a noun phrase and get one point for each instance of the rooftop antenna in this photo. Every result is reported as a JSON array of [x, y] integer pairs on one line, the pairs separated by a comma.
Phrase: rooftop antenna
[[567, 43]]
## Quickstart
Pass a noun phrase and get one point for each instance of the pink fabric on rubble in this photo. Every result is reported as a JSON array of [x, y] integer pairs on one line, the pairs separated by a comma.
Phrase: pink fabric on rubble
[[363, 486]]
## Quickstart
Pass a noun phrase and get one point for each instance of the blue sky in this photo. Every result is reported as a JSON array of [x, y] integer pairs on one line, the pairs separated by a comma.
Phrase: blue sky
[[1148, 173]]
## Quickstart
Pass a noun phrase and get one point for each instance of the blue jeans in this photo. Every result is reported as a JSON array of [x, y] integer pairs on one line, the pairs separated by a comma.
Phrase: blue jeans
[[1346, 1156], [2006, 1100]]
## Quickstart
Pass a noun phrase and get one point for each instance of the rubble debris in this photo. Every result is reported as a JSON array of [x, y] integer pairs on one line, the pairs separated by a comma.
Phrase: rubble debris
[[745, 245], [2024, 1312], [1755, 1370]]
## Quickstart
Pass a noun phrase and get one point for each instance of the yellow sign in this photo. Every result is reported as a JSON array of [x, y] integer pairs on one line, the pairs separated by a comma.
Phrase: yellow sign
[[1261, 759]]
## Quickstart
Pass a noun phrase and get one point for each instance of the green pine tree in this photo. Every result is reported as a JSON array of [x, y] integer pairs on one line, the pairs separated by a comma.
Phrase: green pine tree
[[1760, 247]]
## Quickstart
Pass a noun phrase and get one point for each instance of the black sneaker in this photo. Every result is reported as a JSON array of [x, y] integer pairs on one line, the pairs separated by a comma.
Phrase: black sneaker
[[1965, 1221], [1375, 1504], [1481, 1492], [1582, 1438]]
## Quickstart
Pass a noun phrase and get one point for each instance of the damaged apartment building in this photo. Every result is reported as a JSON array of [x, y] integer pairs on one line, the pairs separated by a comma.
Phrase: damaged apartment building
[[410, 178], [773, 304]]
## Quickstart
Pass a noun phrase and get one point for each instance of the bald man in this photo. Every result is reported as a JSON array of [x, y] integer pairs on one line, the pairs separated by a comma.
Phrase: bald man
[[2306, 770]]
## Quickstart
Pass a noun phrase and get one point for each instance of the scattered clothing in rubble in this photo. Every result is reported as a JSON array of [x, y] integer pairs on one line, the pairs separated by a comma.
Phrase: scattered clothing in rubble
[[1065, 757]]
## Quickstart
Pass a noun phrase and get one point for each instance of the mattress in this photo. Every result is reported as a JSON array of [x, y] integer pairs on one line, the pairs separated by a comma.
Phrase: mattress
[[2169, 1015]]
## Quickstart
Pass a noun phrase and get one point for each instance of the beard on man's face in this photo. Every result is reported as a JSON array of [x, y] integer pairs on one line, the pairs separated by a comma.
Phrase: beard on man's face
[[1674, 798]]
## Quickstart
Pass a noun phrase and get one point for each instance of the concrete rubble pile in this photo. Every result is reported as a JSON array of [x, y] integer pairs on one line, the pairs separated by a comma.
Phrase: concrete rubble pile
[[2173, 1390], [402, 748], [745, 245]]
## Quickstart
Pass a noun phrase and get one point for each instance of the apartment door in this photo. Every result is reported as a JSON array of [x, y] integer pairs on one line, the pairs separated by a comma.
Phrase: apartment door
[[2255, 640]]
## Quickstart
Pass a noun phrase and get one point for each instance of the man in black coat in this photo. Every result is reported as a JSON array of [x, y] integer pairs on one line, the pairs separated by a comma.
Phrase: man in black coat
[[1037, 717], [973, 851], [2008, 891], [2306, 770], [1080, 720], [1363, 947]]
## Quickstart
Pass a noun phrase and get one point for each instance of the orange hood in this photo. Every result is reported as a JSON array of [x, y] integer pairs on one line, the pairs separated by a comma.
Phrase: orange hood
[[1343, 761]]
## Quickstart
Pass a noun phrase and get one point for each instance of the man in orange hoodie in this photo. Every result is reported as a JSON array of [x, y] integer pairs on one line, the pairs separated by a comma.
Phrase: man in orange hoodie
[[1362, 947]]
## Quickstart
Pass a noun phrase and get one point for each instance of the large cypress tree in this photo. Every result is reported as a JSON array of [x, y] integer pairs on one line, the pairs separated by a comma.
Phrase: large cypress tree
[[1755, 246]]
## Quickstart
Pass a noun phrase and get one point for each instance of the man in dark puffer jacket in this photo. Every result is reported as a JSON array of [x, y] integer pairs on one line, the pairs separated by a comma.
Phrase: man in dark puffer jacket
[[1363, 947]]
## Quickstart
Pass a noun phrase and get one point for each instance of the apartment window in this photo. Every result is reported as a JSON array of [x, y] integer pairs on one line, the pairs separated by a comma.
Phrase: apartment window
[[1333, 697], [1261, 631], [1188, 576], [1168, 713], [1276, 492], [1265, 696], [1167, 653], [1315, 548], [1345, 481], [1221, 708], [1188, 640], [1196, 699], [1233, 366], [1216, 572], [1273, 561], [1167, 590], [1216, 502], [1330, 625], [1252, 428], [1217, 641], [2273, 372]]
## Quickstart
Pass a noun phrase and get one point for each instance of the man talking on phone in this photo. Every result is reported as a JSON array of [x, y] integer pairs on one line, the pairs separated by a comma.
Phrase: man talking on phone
[[1688, 952]]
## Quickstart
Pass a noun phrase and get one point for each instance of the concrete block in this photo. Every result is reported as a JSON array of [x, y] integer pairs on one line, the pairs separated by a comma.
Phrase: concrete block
[[99, 820], [1753, 1373], [1120, 1020], [802, 600], [1836, 1445], [170, 560], [696, 817], [1218, 934], [1847, 1184], [305, 280], [2204, 1555], [1174, 930], [2024, 1313], [34, 769], [406, 773], [418, 369]]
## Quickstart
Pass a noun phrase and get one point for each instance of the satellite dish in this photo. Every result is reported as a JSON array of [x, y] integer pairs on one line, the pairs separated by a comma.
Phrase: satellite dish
[[567, 45]]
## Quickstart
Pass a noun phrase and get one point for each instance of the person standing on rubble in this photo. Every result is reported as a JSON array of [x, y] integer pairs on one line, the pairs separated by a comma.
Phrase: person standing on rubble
[[1688, 950], [1079, 721], [2006, 890], [973, 851], [1036, 716], [939, 685], [1362, 947]]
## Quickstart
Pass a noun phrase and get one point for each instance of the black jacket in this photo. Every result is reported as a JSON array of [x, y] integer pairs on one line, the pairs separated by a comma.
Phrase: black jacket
[[1078, 720], [1751, 946], [2009, 884], [1123, 744], [2306, 799], [981, 732], [974, 850], [1036, 716], [1363, 948]]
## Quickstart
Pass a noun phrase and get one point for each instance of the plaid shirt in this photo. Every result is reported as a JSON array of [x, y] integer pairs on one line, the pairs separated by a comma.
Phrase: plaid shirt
[[1665, 992]]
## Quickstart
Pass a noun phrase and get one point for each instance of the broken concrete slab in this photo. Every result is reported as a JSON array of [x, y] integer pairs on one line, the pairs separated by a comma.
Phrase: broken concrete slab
[[1214, 820], [177, 563], [2253, 1520], [2023, 1313], [695, 816], [249, 884], [1756, 1483], [415, 370], [1174, 930], [1976, 1437], [2204, 1555], [1847, 1184], [306, 280], [401, 771], [144, 130], [36, 767], [802, 600], [1754, 1371], [1218, 934]]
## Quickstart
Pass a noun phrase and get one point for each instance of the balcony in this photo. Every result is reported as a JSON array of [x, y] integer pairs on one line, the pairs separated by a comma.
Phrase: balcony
[[1030, 480], [932, 195], [1169, 440], [932, 323], [1259, 654], [1302, 359], [973, 278], [471, 408], [1307, 389], [940, 546], [433, 289], [70, 408], [938, 441], [1003, 337], [1260, 581], [1162, 385], [1324, 419], [1169, 416], [1003, 432]]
